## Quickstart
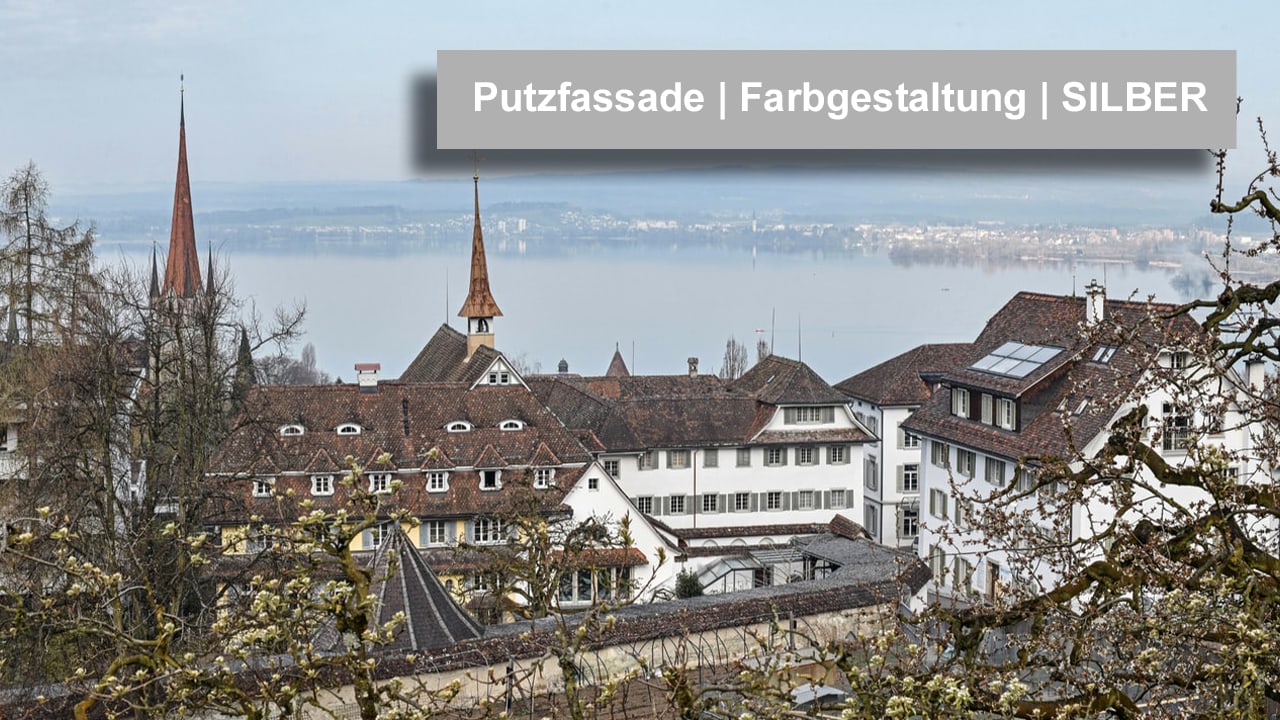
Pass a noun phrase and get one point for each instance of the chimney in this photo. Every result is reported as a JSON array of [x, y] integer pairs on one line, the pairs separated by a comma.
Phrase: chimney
[[367, 376], [693, 367], [1095, 302], [1255, 372]]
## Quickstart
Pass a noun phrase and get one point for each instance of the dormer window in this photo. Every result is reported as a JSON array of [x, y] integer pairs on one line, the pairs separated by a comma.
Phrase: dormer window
[[960, 402], [380, 483], [490, 479], [349, 429], [511, 425], [437, 481], [544, 477], [808, 415], [321, 484], [458, 426], [263, 486], [291, 430]]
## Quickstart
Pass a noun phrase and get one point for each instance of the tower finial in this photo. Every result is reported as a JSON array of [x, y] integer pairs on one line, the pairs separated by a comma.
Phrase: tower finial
[[182, 98]]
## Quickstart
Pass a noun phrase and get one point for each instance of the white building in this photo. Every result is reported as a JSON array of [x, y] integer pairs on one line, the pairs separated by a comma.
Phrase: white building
[[1046, 382], [777, 447], [883, 397]]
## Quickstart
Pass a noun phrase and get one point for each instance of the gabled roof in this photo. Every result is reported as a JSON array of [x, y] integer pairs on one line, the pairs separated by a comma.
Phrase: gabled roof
[[403, 583], [439, 359], [782, 381], [898, 381], [1069, 401], [182, 270], [480, 302]]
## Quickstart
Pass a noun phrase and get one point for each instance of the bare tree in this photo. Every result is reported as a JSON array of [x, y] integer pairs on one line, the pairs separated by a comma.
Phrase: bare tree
[[735, 359]]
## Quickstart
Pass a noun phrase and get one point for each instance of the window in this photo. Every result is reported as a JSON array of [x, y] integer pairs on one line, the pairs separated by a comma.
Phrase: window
[[645, 504], [966, 462], [593, 483], [613, 468], [511, 425], [837, 455], [773, 500], [995, 472], [710, 503], [963, 574], [262, 487], [938, 563], [546, 477], [1103, 353], [960, 402], [806, 456], [808, 415], [349, 429], [378, 534], [291, 430], [433, 532], [601, 584], [1026, 480], [1177, 426], [987, 415], [1179, 360], [676, 504], [910, 440], [488, 531], [873, 424], [804, 500], [677, 459], [711, 458], [940, 454], [938, 504], [321, 484], [870, 519], [741, 502], [908, 522], [258, 541], [1006, 414], [379, 482], [775, 456], [964, 513], [458, 426], [837, 498], [910, 478], [744, 457], [648, 460], [870, 477], [490, 479]]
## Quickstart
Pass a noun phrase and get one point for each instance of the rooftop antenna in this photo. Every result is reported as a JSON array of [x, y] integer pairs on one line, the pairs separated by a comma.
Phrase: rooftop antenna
[[799, 339]]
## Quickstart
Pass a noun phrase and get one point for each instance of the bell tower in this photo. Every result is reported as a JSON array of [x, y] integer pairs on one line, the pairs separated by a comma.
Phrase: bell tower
[[480, 308]]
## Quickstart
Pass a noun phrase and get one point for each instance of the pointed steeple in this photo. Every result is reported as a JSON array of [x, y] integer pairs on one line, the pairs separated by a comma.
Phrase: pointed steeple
[[617, 366], [480, 308], [182, 272], [155, 274], [208, 283]]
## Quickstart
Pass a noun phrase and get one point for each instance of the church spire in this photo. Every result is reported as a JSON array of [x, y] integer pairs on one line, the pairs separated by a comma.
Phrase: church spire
[[155, 274], [480, 308], [182, 271]]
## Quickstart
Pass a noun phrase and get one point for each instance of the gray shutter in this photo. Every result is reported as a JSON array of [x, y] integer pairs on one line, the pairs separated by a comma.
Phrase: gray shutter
[[366, 539], [826, 499], [755, 502], [848, 498], [422, 533], [724, 503], [689, 507], [451, 531], [902, 438], [786, 501], [666, 505], [828, 414], [901, 472], [789, 416]]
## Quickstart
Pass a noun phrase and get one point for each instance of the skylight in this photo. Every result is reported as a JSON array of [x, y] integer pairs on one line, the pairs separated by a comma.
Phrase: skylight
[[1016, 360]]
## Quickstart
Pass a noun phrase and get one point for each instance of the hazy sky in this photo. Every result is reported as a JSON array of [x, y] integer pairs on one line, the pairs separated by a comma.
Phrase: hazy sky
[[320, 90]]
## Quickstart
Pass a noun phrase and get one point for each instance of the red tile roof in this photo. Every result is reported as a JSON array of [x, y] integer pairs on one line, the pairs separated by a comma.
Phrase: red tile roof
[[897, 381], [182, 271]]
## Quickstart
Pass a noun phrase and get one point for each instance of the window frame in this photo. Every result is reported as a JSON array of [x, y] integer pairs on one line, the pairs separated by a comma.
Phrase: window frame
[[380, 482], [442, 485], [322, 485], [775, 456]]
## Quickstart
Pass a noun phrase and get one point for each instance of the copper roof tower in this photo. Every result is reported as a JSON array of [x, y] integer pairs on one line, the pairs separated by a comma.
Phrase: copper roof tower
[[182, 272], [480, 307]]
